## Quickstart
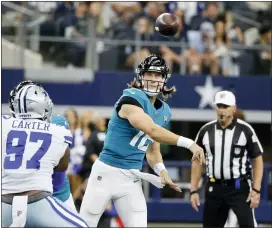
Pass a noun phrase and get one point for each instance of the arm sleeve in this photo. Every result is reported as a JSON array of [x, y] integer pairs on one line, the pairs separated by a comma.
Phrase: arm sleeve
[[68, 138], [127, 100], [254, 146], [199, 137]]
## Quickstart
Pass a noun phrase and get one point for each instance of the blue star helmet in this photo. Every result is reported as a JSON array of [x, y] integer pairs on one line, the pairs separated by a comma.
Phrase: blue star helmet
[[153, 63]]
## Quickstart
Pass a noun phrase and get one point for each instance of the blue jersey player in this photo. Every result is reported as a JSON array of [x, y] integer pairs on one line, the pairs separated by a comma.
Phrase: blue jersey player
[[61, 185], [136, 129]]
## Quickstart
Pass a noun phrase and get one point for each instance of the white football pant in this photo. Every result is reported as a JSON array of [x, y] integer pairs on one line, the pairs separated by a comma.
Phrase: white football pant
[[70, 203], [119, 185]]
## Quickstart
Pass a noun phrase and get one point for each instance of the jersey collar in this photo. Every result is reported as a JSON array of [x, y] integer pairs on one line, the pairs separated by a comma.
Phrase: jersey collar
[[231, 126]]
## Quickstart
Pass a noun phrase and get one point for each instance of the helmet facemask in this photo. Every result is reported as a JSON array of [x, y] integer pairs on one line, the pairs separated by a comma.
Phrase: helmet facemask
[[151, 87], [152, 63]]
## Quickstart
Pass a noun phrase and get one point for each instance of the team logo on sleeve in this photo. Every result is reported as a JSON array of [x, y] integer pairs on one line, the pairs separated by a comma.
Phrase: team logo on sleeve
[[165, 118]]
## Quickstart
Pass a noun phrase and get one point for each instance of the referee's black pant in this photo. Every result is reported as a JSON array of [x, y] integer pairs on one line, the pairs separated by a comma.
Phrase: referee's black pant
[[220, 197]]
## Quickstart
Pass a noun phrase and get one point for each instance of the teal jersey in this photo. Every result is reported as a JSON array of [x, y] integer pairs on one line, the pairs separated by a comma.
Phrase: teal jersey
[[61, 185], [124, 145], [63, 193]]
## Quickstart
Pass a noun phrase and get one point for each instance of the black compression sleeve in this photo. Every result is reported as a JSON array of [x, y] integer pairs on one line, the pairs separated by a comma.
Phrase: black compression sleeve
[[127, 100]]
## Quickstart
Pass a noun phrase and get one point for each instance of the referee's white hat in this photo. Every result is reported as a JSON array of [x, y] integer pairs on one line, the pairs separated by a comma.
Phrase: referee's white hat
[[225, 97]]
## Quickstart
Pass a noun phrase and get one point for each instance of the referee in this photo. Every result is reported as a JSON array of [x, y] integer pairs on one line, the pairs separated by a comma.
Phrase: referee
[[230, 146]]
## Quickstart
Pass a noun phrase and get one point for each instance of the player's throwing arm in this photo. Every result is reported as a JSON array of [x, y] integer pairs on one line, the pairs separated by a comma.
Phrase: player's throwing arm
[[138, 119]]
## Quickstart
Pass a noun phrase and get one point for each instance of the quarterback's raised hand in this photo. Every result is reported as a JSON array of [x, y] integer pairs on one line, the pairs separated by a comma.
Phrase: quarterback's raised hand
[[198, 153]]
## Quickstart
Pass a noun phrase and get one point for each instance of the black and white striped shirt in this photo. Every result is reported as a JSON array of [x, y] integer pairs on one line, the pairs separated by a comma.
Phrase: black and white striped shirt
[[228, 151]]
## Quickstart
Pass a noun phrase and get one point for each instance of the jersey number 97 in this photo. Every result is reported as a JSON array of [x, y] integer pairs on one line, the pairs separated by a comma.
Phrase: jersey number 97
[[15, 153]]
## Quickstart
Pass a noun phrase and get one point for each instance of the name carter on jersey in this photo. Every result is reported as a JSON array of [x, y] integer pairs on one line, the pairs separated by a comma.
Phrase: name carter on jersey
[[31, 125]]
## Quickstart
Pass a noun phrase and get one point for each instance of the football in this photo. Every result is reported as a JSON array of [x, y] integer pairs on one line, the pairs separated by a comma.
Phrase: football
[[167, 24]]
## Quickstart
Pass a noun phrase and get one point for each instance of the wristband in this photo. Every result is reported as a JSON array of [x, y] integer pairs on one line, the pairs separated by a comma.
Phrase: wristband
[[255, 190], [193, 192], [158, 168], [185, 142]]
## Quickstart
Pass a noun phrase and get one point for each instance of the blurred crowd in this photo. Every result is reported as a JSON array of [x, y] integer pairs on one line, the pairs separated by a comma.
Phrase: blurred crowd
[[211, 38]]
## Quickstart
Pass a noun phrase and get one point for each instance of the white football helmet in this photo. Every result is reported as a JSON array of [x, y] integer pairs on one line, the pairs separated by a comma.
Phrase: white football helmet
[[32, 102]]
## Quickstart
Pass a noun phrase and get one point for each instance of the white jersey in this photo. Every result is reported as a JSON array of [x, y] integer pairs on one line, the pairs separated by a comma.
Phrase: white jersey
[[31, 149]]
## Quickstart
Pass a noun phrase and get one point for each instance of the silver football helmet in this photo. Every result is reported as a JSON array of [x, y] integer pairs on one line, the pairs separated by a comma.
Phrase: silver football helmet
[[32, 102], [15, 91]]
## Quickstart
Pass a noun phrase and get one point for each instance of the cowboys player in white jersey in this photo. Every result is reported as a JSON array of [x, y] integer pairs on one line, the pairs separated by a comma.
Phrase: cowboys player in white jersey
[[32, 149]]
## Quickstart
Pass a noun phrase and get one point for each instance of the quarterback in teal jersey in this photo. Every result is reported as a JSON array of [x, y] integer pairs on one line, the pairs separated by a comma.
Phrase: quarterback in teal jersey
[[136, 129], [61, 185]]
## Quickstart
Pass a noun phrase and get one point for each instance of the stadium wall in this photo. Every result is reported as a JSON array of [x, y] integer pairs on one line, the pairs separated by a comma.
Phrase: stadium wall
[[193, 100]]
